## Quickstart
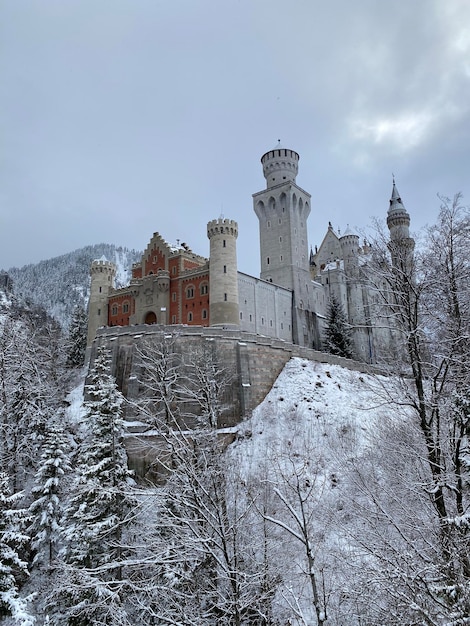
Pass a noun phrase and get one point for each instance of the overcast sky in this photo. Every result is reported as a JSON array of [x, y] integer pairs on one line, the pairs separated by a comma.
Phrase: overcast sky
[[119, 118]]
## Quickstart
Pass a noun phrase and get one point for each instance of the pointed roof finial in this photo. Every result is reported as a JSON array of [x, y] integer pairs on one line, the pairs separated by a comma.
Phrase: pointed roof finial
[[396, 203]]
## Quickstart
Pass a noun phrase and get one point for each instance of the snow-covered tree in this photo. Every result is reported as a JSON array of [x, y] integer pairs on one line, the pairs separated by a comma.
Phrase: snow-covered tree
[[47, 509], [206, 566], [76, 342], [103, 499], [101, 508], [13, 568], [427, 300], [159, 363], [337, 337]]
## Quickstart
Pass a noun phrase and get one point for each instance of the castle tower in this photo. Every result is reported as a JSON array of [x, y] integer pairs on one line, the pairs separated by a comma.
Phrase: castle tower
[[102, 273], [350, 252], [282, 210], [398, 221], [223, 294]]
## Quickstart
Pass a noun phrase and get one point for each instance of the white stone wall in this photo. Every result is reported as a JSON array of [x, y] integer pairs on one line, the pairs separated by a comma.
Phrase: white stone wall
[[265, 308]]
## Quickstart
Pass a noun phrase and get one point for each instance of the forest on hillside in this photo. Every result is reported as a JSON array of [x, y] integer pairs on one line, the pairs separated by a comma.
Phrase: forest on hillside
[[343, 499], [62, 283]]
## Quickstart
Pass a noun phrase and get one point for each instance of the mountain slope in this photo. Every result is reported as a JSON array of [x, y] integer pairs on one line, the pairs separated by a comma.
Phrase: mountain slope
[[61, 283]]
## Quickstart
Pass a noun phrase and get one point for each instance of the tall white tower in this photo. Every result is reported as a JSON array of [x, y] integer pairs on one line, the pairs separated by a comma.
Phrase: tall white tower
[[102, 273], [223, 286], [401, 244], [282, 210]]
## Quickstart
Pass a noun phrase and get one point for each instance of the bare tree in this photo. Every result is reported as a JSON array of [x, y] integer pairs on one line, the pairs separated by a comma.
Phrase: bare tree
[[426, 298]]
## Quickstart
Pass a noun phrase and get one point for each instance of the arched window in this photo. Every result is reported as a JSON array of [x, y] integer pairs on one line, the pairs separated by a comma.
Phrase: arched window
[[190, 316], [204, 314], [114, 310], [125, 307], [190, 291], [204, 289]]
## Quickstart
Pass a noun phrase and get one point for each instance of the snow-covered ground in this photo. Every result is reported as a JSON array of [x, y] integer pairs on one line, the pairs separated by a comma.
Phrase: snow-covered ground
[[315, 430]]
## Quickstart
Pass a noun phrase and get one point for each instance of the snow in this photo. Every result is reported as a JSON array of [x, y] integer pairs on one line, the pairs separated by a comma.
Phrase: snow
[[309, 397], [75, 409]]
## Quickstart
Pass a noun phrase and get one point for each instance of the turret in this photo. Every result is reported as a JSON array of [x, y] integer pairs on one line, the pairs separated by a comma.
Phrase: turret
[[350, 252], [102, 273], [398, 221], [279, 166], [282, 210], [223, 287]]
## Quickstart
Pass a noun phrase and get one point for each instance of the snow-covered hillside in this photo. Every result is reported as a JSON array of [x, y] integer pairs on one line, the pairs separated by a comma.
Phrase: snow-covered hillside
[[61, 283], [313, 458]]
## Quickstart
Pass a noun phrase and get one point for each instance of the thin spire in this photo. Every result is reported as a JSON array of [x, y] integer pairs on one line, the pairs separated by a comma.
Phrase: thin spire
[[396, 203]]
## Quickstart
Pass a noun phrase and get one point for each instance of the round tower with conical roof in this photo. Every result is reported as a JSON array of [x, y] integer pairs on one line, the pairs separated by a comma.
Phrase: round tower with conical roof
[[398, 221], [103, 273], [223, 286], [350, 251]]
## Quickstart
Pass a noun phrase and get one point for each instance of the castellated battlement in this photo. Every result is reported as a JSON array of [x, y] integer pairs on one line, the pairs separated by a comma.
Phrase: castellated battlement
[[222, 227], [280, 165], [349, 238], [398, 218], [102, 266]]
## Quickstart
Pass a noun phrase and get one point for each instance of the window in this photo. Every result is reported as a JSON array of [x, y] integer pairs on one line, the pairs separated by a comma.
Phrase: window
[[101, 289], [267, 260], [204, 289], [270, 323], [173, 319], [280, 239], [114, 310], [251, 317], [173, 269], [225, 297], [269, 224], [190, 316], [204, 314], [190, 292], [99, 311], [262, 321], [241, 315], [225, 269], [173, 296], [224, 243], [125, 308]]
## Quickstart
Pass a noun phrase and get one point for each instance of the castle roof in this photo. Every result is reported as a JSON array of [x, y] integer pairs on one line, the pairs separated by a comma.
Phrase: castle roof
[[396, 204]]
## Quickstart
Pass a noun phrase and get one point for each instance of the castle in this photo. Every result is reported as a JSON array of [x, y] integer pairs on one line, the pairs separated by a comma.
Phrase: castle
[[172, 285]]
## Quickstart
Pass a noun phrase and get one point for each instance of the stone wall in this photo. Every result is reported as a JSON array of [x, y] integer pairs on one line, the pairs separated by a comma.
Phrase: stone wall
[[254, 361]]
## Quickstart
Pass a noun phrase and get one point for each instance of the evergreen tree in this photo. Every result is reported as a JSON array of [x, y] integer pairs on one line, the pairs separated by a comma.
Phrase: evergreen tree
[[46, 509], [337, 339], [102, 502], [13, 569], [91, 588], [76, 343]]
